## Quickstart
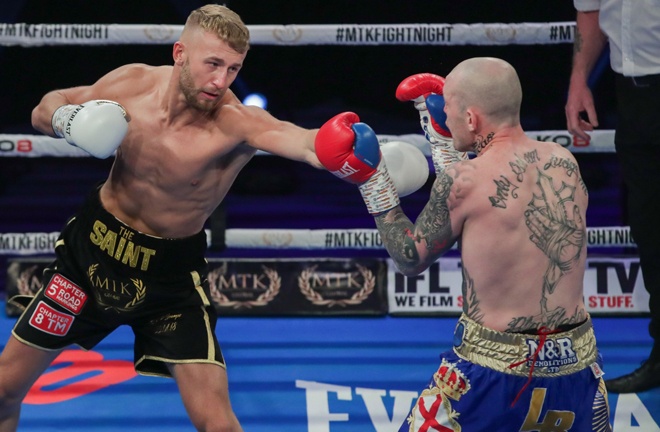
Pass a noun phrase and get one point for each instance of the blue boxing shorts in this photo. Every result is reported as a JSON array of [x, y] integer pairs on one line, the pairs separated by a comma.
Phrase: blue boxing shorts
[[495, 381]]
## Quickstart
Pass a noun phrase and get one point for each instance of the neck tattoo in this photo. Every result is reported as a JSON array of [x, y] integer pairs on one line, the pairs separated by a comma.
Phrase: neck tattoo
[[480, 144]]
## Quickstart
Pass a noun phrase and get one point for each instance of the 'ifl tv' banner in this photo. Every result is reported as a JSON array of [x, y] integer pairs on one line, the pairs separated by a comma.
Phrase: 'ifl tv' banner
[[612, 285]]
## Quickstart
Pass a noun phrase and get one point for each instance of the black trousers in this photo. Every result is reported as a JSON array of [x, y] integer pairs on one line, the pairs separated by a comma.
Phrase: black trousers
[[637, 142]]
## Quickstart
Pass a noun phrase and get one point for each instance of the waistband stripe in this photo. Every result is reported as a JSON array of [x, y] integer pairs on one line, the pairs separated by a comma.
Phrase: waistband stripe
[[544, 355], [134, 249]]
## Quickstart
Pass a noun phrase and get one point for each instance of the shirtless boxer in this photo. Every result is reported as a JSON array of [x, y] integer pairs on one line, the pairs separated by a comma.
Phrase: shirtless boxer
[[181, 138], [524, 356]]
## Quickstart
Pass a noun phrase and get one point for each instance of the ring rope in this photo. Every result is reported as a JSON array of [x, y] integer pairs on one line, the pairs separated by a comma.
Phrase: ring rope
[[30, 35], [319, 239], [13, 145]]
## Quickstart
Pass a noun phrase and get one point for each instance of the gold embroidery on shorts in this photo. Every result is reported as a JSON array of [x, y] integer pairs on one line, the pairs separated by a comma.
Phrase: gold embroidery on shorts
[[120, 246], [166, 323], [109, 292]]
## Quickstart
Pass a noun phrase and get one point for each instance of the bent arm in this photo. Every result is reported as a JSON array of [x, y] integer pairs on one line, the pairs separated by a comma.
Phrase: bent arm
[[42, 114], [589, 43], [414, 247], [107, 87]]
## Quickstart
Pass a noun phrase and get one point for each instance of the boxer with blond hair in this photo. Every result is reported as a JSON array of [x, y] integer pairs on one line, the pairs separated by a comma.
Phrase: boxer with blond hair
[[180, 138]]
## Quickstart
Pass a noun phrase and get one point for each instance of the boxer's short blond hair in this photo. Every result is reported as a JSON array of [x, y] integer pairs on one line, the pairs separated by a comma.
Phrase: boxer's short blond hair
[[224, 23]]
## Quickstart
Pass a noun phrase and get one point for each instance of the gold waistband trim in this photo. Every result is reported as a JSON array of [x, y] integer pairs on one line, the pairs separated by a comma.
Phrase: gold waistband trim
[[562, 353]]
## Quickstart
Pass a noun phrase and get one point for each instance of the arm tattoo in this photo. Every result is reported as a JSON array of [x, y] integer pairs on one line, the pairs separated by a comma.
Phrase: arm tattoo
[[433, 228], [433, 224], [579, 41], [397, 233]]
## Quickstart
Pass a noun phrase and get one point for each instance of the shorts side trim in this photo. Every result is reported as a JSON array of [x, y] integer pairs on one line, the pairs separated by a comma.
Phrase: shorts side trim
[[197, 280], [30, 344], [209, 335], [167, 360]]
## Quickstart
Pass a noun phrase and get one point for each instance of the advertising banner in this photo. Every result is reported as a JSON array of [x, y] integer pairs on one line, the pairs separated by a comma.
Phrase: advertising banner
[[261, 286], [612, 285], [298, 286], [338, 286]]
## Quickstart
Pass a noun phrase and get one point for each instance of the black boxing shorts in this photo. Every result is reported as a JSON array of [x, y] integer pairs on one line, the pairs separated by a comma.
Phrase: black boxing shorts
[[107, 274]]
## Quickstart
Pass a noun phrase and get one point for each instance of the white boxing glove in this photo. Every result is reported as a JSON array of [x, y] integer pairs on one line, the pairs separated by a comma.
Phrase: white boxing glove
[[426, 91], [407, 166], [97, 126]]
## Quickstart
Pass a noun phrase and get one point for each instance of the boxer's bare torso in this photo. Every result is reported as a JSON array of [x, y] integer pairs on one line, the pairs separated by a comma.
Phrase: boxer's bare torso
[[188, 138], [523, 240], [173, 169], [518, 211]]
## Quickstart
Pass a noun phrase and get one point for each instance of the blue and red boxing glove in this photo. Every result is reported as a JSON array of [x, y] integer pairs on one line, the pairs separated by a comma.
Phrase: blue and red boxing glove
[[347, 148], [425, 90], [350, 150]]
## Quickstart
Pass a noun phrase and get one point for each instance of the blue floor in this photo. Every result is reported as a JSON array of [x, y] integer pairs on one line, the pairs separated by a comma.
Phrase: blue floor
[[314, 374]]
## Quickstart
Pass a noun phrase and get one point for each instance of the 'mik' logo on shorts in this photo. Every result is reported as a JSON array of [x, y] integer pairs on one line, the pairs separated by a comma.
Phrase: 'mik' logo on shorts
[[553, 354]]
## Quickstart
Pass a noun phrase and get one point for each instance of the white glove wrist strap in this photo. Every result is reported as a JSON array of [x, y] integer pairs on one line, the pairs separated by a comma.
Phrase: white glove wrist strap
[[379, 192], [61, 118], [444, 154]]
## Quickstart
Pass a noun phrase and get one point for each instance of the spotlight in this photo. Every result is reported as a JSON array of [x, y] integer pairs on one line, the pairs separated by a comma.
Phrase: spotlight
[[256, 99]]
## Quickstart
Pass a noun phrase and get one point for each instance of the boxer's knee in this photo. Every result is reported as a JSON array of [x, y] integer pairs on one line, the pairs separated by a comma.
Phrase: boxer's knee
[[10, 408], [213, 423]]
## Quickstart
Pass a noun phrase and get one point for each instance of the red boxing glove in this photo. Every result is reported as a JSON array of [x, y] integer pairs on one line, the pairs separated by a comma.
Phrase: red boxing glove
[[426, 90], [350, 150], [347, 148]]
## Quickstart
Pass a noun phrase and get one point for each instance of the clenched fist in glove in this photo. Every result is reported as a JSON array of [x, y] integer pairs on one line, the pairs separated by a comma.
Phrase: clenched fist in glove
[[426, 90], [350, 150], [97, 126]]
